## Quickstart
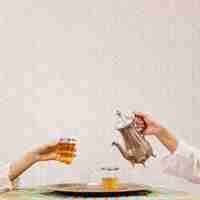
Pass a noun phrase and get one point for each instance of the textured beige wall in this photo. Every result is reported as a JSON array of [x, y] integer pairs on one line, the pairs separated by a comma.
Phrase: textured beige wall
[[66, 65]]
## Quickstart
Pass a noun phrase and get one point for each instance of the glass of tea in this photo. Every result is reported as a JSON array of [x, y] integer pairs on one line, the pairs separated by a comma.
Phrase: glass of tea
[[109, 178], [66, 149]]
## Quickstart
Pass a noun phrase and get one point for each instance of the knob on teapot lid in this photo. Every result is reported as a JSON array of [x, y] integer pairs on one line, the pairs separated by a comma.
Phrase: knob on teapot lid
[[123, 120]]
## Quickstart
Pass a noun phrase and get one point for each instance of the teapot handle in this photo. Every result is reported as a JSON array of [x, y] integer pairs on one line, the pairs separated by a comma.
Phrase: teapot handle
[[139, 130]]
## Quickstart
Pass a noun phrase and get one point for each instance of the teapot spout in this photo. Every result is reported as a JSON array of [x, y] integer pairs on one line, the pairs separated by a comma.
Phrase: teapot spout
[[122, 151]]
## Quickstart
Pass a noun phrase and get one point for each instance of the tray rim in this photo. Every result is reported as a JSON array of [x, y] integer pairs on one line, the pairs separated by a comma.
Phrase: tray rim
[[140, 188]]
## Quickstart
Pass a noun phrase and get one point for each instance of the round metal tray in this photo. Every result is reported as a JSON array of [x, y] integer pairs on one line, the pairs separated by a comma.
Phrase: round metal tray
[[124, 189]]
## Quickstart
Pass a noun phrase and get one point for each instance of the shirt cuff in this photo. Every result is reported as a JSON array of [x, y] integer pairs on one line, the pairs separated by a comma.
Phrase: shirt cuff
[[184, 162], [185, 150]]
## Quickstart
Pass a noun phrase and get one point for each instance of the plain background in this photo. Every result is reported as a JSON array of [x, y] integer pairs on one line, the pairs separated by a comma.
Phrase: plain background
[[65, 66]]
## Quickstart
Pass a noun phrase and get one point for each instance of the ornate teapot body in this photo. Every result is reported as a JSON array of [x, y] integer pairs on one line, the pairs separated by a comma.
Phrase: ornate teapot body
[[137, 148]]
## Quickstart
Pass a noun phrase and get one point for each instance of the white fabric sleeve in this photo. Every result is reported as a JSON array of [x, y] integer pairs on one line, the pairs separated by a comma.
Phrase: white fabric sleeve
[[5, 183], [184, 162]]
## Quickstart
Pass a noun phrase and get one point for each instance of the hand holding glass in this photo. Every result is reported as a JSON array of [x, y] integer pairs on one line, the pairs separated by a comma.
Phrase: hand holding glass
[[66, 149]]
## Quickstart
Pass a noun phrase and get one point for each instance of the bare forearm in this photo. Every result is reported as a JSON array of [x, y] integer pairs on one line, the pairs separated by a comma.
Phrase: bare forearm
[[42, 152], [22, 165], [167, 139]]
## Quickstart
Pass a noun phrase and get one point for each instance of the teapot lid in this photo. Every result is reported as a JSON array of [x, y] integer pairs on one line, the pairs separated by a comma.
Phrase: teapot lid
[[123, 120]]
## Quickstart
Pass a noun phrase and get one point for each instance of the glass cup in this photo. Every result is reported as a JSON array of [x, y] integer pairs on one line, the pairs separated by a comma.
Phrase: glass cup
[[109, 178], [66, 149]]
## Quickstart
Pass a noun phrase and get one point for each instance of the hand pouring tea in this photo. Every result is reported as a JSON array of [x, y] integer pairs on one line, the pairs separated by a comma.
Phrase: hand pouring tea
[[137, 148]]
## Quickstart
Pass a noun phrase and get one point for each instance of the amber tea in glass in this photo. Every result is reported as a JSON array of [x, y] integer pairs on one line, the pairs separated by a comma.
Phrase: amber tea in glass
[[109, 179], [66, 149]]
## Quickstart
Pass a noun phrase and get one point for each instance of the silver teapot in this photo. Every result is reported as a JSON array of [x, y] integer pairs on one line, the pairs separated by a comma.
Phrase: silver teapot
[[137, 149]]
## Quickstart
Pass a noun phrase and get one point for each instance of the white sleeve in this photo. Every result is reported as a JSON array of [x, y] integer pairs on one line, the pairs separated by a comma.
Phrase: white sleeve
[[5, 183], [184, 162]]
